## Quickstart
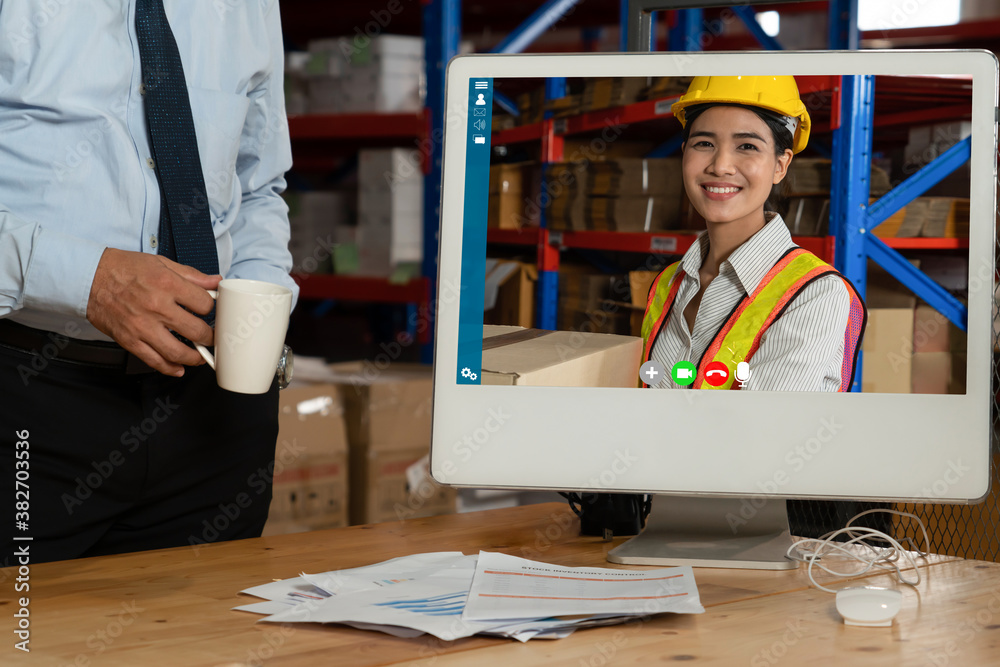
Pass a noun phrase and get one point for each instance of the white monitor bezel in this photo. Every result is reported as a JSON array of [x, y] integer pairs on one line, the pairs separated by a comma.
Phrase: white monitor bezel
[[938, 449]]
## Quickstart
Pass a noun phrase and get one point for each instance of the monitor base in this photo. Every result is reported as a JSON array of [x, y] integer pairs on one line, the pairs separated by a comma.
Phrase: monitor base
[[746, 533]]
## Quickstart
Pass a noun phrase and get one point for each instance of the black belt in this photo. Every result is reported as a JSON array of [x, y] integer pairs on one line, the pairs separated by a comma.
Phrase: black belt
[[55, 346]]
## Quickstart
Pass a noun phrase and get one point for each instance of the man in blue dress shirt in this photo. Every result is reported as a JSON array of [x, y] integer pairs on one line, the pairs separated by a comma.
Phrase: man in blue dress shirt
[[131, 445]]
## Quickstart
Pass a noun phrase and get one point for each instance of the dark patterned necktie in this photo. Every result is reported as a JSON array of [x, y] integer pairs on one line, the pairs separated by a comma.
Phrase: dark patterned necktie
[[185, 222]]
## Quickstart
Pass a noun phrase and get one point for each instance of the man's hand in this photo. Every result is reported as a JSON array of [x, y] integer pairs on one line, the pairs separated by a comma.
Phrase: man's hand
[[138, 299]]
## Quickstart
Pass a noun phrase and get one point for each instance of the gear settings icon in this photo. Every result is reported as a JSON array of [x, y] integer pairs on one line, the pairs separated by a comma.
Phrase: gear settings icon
[[467, 373]]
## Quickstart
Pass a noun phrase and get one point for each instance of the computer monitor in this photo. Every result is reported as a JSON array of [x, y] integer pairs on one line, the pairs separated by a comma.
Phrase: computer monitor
[[507, 415]]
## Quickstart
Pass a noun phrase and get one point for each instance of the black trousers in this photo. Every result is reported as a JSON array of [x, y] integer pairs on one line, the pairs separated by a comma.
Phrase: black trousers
[[120, 463]]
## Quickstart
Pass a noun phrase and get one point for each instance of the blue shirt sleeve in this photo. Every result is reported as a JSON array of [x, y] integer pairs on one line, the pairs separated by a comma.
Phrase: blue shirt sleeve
[[260, 232]]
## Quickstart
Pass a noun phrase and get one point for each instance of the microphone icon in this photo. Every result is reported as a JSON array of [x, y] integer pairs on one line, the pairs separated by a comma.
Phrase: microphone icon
[[742, 373]]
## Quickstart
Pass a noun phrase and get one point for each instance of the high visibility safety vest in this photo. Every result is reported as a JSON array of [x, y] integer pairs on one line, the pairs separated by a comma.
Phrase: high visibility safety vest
[[740, 336]]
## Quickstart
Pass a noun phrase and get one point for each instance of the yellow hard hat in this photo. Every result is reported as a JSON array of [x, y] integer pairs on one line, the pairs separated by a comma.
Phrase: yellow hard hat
[[774, 93]]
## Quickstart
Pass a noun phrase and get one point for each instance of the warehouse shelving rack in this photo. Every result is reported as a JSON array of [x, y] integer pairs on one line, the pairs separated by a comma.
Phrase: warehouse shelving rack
[[849, 244]]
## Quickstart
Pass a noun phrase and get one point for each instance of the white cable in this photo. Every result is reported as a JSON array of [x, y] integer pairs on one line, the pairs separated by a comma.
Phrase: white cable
[[882, 558]]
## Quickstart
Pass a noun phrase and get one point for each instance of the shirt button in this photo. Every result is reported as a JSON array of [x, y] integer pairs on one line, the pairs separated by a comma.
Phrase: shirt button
[[150, 163], [142, 89], [152, 241]]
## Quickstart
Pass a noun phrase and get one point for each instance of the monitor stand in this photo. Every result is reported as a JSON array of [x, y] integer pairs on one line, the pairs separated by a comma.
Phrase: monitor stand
[[748, 533]]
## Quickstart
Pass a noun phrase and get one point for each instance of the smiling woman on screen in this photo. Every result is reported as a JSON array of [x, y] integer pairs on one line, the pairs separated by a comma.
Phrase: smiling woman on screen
[[744, 291]]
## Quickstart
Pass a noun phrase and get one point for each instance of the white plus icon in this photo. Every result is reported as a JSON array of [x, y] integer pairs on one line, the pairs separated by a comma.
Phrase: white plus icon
[[650, 372]]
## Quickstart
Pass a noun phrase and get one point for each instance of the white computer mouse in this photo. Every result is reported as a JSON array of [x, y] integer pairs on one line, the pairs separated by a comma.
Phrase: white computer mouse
[[869, 605]]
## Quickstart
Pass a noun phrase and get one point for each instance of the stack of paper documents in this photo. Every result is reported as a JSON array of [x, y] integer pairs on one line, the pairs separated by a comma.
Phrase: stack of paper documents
[[451, 595]]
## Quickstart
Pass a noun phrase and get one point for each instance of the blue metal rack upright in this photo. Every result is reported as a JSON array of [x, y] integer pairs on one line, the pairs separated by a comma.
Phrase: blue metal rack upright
[[852, 218], [442, 32]]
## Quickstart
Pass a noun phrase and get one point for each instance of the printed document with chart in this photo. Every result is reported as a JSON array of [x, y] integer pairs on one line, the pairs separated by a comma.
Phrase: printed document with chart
[[507, 587]]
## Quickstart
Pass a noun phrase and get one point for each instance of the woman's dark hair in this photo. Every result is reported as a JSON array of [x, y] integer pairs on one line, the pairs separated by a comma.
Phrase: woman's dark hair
[[779, 131]]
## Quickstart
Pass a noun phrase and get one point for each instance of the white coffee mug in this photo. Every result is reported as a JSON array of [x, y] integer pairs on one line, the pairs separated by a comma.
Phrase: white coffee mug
[[251, 319]]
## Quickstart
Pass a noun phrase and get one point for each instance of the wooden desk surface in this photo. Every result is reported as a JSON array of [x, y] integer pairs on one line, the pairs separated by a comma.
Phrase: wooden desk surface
[[173, 607]]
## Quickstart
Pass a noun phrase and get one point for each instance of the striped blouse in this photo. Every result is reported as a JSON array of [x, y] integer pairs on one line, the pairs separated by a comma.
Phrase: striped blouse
[[803, 350]]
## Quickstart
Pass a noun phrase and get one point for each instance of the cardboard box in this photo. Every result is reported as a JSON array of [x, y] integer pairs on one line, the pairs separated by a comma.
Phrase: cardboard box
[[510, 293], [636, 176], [511, 204], [604, 92], [931, 373], [318, 222], [931, 330], [387, 492], [811, 176], [390, 211], [639, 282], [931, 217], [310, 473], [381, 74], [807, 216], [884, 291], [532, 357], [580, 148], [566, 185], [640, 213], [388, 414], [888, 351]]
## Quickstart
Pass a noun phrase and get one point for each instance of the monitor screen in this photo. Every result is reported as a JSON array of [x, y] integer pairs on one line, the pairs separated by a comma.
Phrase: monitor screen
[[613, 224]]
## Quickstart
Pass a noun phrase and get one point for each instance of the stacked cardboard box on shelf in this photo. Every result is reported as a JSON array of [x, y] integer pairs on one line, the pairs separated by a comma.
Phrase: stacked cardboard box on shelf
[[592, 302], [523, 357], [806, 209], [310, 470], [566, 186], [355, 75], [388, 414], [530, 106], [926, 142], [888, 341], [666, 86], [319, 222], [635, 194], [910, 347], [639, 283], [390, 212], [604, 92], [510, 293], [296, 82], [622, 194], [939, 353], [811, 177], [513, 200], [934, 217]]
